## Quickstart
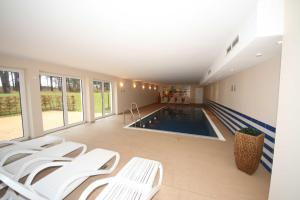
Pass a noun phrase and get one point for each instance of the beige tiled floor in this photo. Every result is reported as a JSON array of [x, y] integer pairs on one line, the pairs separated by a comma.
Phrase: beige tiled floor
[[194, 168], [11, 126]]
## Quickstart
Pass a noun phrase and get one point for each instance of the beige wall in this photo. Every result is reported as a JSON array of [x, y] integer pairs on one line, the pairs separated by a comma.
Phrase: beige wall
[[129, 94], [193, 90], [256, 91], [286, 162], [33, 68]]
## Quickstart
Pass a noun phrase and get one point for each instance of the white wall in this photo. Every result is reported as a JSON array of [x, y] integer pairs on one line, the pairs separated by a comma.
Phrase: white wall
[[198, 95], [32, 69], [286, 165], [256, 91], [263, 27]]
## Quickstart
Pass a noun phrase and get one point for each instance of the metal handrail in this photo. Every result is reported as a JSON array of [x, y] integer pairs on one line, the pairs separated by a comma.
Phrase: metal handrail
[[133, 104], [124, 114], [132, 107]]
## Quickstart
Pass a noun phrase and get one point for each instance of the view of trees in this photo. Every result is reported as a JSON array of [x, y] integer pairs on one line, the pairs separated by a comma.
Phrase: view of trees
[[50, 83], [73, 85], [9, 82]]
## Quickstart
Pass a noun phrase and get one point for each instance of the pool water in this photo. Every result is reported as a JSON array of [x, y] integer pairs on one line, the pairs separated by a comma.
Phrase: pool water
[[179, 118]]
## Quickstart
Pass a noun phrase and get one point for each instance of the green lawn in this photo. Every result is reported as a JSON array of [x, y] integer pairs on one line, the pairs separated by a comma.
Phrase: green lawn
[[77, 98], [9, 94], [52, 100], [98, 102]]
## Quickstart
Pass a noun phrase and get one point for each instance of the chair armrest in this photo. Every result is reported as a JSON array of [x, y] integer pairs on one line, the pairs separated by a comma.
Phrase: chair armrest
[[19, 188], [161, 174], [56, 137], [113, 167], [21, 170], [26, 146], [84, 195], [70, 180], [15, 152], [156, 188], [41, 168], [8, 142], [84, 149]]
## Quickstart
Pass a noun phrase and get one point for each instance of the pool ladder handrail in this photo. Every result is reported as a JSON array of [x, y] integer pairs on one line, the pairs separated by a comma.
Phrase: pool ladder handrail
[[124, 115], [132, 113], [133, 104]]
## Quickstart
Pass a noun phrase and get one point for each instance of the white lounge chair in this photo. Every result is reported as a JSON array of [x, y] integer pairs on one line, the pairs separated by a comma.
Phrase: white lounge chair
[[58, 184], [35, 144], [25, 165], [134, 182]]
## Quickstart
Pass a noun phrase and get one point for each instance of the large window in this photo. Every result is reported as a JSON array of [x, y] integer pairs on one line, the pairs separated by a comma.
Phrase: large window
[[97, 87], [74, 100], [61, 100], [52, 101], [107, 98], [12, 102], [102, 98]]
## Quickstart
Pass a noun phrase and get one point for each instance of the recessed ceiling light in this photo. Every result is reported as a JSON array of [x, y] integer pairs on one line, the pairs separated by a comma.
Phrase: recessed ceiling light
[[279, 42], [258, 55]]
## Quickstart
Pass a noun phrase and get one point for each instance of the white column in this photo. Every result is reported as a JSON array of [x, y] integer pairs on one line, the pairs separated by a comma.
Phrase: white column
[[89, 100], [34, 102], [285, 181]]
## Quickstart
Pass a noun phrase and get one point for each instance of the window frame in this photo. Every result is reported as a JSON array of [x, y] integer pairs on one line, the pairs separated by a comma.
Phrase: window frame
[[64, 98], [82, 100], [112, 98], [23, 97]]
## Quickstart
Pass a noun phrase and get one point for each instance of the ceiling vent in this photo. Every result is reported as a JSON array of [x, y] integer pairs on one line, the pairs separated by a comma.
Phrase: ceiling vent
[[233, 44]]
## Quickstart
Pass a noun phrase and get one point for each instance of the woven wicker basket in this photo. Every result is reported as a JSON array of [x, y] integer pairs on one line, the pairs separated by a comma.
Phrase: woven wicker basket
[[248, 151]]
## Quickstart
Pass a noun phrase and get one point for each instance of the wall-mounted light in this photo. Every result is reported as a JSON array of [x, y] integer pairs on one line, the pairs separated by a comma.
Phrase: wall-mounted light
[[154, 88], [150, 87], [279, 42], [121, 84], [143, 87], [134, 85]]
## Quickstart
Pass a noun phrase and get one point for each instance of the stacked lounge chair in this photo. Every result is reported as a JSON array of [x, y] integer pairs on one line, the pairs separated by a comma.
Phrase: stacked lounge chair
[[34, 144], [134, 181]]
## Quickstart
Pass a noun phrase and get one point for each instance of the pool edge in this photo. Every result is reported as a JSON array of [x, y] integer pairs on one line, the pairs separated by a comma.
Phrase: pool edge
[[220, 136]]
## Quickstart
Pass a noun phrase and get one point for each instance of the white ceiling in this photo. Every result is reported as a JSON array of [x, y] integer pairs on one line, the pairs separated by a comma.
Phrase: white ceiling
[[152, 40]]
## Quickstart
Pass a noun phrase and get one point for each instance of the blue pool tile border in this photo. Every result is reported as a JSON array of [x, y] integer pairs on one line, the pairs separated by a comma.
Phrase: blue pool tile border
[[234, 120], [267, 126]]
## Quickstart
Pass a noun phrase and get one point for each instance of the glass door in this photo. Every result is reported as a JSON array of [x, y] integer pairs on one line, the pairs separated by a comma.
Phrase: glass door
[[102, 92], [12, 97], [107, 98], [74, 100], [97, 90], [52, 102], [61, 101]]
